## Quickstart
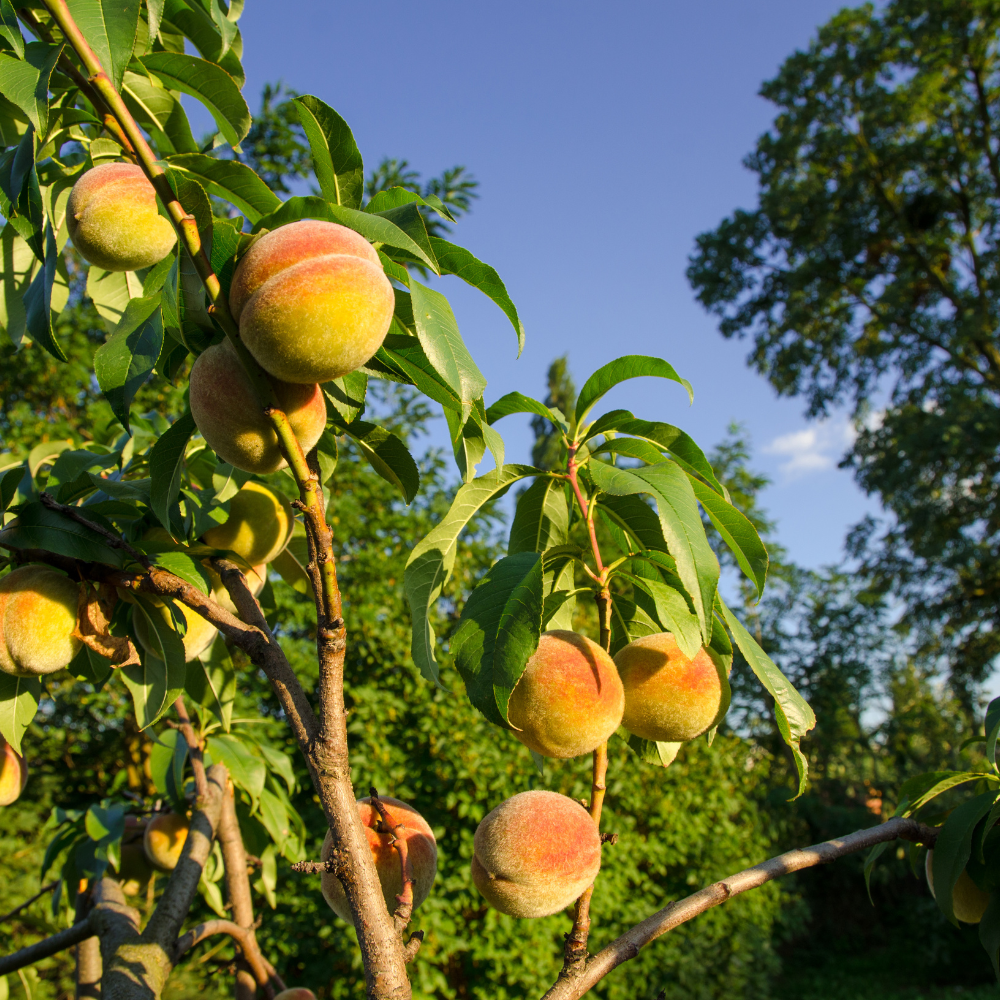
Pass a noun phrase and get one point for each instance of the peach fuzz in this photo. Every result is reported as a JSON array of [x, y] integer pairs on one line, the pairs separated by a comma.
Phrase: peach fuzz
[[232, 421], [312, 301], [13, 774], [969, 902], [669, 697], [164, 840], [569, 700], [113, 220], [258, 527], [38, 616], [420, 845], [535, 854]]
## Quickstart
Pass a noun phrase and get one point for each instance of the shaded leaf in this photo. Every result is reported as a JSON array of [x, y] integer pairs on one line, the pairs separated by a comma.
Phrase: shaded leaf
[[541, 519], [336, 159], [953, 848], [19, 698], [37, 527], [165, 464], [387, 455], [229, 179], [25, 82]]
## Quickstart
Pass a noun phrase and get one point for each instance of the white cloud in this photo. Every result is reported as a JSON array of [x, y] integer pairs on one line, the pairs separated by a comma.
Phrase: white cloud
[[815, 448]]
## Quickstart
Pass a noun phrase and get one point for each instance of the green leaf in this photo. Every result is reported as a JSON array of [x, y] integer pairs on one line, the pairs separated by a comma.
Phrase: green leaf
[[630, 366], [431, 561], [336, 159], [154, 11], [442, 343], [38, 301], [347, 395], [158, 111], [211, 683], [404, 357], [208, 83], [953, 848], [876, 852], [111, 292], [673, 613], [10, 29], [187, 568], [923, 788], [499, 631], [166, 766], [737, 532], [408, 219], [387, 455], [37, 527], [125, 362], [156, 683], [247, 771], [166, 461], [457, 260], [25, 82], [19, 698], [516, 402], [634, 520], [279, 763], [680, 522], [374, 228], [196, 202], [992, 730], [559, 587], [792, 712], [110, 28], [651, 752], [17, 263], [9, 482], [229, 179], [989, 932], [541, 519], [628, 623]]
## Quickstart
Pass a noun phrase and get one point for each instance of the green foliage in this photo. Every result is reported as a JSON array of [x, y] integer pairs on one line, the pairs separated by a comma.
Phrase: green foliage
[[868, 274]]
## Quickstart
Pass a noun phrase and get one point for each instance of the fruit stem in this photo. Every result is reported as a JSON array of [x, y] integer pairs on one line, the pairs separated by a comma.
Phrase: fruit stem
[[586, 508]]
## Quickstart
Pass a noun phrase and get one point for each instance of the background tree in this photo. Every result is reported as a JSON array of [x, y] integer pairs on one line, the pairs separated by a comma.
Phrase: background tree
[[868, 274]]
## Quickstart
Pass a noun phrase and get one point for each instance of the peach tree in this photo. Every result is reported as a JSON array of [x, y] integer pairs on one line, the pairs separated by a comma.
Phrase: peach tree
[[141, 556]]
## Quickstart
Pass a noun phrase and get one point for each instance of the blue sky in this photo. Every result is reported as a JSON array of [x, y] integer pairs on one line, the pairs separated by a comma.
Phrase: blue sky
[[605, 138]]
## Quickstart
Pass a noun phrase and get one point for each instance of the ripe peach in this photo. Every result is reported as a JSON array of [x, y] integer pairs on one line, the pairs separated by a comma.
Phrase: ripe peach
[[258, 527], [200, 634], [968, 900], [231, 420], [13, 774], [297, 993], [535, 854], [38, 615], [669, 697], [164, 840], [569, 699], [312, 301], [421, 848], [113, 220]]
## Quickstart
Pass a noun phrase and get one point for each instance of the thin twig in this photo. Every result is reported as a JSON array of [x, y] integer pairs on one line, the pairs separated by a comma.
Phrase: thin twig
[[262, 971], [46, 947], [194, 746], [397, 831], [573, 984], [17, 909], [114, 540]]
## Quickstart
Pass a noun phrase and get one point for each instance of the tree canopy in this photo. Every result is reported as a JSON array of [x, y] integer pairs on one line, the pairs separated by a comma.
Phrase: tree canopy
[[867, 276]]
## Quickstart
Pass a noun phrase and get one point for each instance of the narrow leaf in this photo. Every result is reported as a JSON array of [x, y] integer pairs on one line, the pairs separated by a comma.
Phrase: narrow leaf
[[110, 28], [387, 455], [38, 300], [630, 366], [954, 846], [541, 520], [336, 159], [19, 698], [25, 81], [165, 464], [232, 180]]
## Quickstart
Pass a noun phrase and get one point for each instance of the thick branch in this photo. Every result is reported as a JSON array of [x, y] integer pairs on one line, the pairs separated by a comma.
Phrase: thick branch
[[194, 747], [244, 937], [49, 946], [574, 984]]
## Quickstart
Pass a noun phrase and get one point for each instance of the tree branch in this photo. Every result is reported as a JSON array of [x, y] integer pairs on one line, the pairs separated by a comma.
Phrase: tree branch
[[194, 747], [263, 973], [17, 909], [572, 985], [398, 833], [46, 947]]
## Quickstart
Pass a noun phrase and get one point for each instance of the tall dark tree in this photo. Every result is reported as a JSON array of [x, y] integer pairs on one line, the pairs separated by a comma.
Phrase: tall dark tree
[[867, 275]]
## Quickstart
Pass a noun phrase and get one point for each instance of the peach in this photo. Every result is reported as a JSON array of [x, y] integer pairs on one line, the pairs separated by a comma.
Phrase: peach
[[312, 301], [420, 845], [669, 697], [13, 774], [258, 527], [968, 900], [38, 615], [569, 699], [256, 578], [164, 840], [535, 854], [133, 868], [113, 220], [231, 420], [199, 634]]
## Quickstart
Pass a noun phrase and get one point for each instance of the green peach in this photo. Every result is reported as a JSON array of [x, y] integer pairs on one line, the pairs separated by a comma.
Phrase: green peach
[[38, 616], [312, 301], [113, 220], [231, 420], [164, 840], [535, 854], [569, 700], [199, 633], [668, 696], [968, 900]]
